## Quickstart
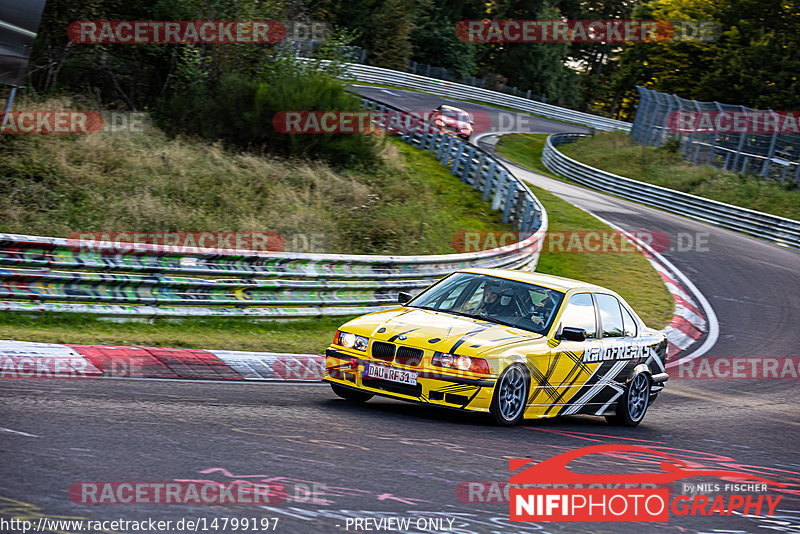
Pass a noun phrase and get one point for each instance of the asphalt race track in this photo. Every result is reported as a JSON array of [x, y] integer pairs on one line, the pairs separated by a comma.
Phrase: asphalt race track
[[422, 102], [384, 457], [338, 461]]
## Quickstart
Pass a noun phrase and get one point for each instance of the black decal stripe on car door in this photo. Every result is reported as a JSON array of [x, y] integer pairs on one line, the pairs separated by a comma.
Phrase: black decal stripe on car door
[[544, 384], [593, 388], [575, 374], [572, 376]]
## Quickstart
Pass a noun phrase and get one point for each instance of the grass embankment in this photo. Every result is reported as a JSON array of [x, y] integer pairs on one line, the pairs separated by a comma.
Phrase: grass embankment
[[628, 274], [147, 182], [243, 192], [305, 336], [525, 150], [615, 152]]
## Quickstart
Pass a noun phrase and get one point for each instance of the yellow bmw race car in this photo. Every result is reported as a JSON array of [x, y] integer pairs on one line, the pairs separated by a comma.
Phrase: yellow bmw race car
[[509, 343]]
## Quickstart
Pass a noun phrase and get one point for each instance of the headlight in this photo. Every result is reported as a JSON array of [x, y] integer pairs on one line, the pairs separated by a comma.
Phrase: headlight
[[350, 341], [461, 363]]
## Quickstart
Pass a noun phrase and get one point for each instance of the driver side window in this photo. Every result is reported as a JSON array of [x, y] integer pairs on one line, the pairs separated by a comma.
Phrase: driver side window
[[580, 314]]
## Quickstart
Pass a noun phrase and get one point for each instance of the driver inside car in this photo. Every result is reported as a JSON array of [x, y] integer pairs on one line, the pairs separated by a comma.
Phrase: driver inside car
[[496, 302], [540, 313]]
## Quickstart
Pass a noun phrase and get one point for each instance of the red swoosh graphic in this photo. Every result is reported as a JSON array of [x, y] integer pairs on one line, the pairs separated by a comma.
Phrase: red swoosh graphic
[[554, 470]]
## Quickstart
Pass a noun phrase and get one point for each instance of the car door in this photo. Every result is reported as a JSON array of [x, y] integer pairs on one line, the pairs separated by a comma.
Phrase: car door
[[616, 358], [567, 373], [608, 360]]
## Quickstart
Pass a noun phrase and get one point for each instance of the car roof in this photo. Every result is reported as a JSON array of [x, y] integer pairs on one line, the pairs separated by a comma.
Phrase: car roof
[[445, 107], [558, 283]]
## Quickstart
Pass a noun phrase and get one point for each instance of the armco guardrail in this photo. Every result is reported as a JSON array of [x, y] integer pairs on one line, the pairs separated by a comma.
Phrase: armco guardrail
[[368, 74], [54, 274], [769, 227]]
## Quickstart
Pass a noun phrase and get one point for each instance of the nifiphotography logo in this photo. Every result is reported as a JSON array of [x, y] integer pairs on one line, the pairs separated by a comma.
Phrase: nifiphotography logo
[[576, 496]]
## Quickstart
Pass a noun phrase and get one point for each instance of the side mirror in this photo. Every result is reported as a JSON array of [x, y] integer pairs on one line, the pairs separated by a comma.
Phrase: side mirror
[[403, 297], [569, 333]]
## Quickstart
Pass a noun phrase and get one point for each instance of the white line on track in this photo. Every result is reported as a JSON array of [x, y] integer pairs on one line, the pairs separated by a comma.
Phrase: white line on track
[[9, 431], [207, 381]]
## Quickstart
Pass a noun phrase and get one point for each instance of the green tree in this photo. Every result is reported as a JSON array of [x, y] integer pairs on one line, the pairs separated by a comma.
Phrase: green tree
[[755, 61], [434, 38], [539, 67], [393, 22]]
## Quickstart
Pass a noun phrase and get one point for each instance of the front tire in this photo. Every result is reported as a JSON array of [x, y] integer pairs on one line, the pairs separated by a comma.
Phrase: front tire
[[351, 394], [510, 395], [633, 404]]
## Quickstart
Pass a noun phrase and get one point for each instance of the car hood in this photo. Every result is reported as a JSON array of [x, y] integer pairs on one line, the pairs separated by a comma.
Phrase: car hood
[[439, 331]]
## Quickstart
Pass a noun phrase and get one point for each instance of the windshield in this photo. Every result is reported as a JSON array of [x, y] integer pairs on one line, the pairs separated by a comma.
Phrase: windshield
[[455, 114], [494, 299]]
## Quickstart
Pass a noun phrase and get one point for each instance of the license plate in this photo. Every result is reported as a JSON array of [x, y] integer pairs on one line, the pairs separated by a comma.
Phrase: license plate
[[390, 373]]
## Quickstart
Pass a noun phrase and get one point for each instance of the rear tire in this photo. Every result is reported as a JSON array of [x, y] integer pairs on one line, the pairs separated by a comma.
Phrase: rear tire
[[632, 406], [351, 394], [510, 395]]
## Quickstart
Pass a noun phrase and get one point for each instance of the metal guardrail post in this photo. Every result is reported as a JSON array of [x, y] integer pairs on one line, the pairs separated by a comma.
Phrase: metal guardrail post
[[508, 202], [457, 157], [499, 187], [478, 175], [491, 180], [770, 152]]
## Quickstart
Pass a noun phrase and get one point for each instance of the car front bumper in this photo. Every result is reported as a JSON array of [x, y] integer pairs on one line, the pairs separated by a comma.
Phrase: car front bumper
[[433, 386]]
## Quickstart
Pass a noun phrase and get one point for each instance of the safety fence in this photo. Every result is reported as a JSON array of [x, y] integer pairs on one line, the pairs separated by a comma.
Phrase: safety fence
[[442, 73], [354, 54], [377, 75], [141, 280], [763, 225], [774, 156]]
